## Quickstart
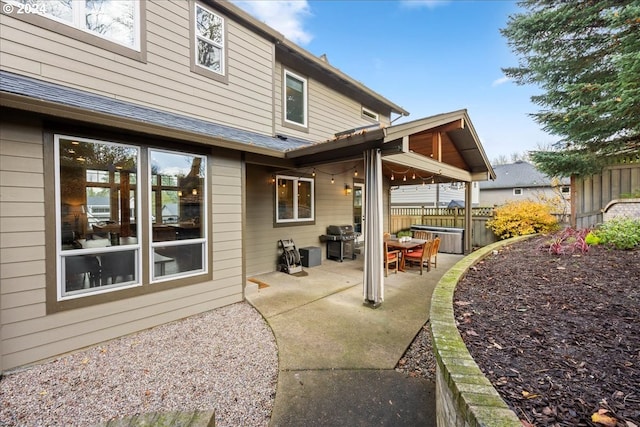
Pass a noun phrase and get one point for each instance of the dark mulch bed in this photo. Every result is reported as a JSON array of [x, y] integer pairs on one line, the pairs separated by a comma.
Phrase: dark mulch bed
[[557, 335]]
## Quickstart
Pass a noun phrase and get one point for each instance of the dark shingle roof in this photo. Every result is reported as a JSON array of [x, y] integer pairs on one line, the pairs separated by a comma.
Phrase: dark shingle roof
[[518, 175], [54, 93]]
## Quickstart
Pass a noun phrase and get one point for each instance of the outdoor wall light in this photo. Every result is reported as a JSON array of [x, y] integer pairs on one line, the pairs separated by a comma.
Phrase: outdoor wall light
[[347, 189], [194, 191]]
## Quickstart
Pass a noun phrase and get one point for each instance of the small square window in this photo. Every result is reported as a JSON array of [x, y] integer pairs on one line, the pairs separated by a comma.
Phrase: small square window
[[518, 192], [294, 199]]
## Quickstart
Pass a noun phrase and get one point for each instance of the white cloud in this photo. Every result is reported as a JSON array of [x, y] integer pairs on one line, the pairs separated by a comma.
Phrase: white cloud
[[431, 4], [286, 16], [500, 81]]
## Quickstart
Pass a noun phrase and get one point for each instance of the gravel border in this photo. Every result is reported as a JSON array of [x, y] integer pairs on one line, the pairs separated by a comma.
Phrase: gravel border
[[419, 359], [225, 360]]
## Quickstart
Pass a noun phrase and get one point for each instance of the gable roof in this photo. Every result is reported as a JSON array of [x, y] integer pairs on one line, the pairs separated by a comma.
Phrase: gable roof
[[444, 146], [288, 47], [518, 175]]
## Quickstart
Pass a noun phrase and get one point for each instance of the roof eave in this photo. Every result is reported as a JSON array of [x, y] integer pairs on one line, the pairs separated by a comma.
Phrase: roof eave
[[280, 39], [52, 109]]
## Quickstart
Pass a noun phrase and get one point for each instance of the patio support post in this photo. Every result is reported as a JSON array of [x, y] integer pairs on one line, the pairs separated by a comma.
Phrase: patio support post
[[373, 282], [468, 219]]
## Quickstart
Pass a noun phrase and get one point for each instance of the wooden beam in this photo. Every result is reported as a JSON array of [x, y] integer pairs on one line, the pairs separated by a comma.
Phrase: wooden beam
[[436, 146], [419, 162]]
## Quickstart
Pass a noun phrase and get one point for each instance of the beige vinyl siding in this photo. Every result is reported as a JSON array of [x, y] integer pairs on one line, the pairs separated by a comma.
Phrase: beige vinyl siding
[[165, 80], [332, 207], [329, 112], [28, 334]]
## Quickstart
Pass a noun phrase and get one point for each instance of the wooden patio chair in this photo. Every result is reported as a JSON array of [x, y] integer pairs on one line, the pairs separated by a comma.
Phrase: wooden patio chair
[[420, 256], [390, 257], [422, 235], [433, 256]]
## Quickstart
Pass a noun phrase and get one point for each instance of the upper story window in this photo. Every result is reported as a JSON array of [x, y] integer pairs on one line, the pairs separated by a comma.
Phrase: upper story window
[[208, 43], [295, 99], [370, 114], [114, 20], [294, 199]]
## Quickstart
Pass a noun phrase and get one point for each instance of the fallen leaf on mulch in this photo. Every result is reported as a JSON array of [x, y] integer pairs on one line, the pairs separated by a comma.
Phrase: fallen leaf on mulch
[[601, 417]]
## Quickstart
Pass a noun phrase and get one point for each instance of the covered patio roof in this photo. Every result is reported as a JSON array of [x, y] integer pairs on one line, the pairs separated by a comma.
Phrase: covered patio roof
[[440, 148]]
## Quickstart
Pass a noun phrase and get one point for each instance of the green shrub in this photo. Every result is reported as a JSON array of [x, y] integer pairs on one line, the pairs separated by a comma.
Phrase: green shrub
[[522, 218], [404, 233], [621, 233], [592, 239]]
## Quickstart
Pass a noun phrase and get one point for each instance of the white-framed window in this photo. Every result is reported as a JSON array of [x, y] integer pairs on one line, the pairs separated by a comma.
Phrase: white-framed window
[[117, 21], [295, 99], [294, 199], [177, 200], [565, 189], [518, 191], [370, 114], [209, 40], [100, 197]]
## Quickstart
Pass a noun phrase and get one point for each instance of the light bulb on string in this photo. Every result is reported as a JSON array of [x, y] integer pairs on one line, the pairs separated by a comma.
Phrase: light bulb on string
[[355, 173], [413, 176], [332, 180], [404, 178], [392, 177], [313, 174]]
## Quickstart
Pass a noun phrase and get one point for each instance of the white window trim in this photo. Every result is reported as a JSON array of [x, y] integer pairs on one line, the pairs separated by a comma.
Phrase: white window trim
[[78, 20], [518, 192], [370, 114], [60, 254], [305, 100], [295, 218], [223, 53], [203, 222]]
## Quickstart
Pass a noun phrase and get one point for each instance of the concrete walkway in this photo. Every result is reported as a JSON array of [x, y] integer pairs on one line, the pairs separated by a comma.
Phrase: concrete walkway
[[337, 356]]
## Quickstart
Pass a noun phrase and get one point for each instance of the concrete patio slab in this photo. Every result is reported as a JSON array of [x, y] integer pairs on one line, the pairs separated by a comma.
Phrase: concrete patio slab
[[346, 352]]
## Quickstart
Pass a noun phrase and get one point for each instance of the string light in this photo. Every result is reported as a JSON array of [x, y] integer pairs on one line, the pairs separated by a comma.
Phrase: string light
[[392, 177], [356, 172], [313, 174], [404, 178], [333, 181], [413, 176]]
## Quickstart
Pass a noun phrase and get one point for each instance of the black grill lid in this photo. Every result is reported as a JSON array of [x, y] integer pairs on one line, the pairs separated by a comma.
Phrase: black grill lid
[[338, 230]]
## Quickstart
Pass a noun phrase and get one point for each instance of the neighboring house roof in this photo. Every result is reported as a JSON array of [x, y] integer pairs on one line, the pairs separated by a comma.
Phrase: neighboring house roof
[[518, 175]]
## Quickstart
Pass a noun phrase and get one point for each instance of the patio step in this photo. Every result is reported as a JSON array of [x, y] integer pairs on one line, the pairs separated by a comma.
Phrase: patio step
[[166, 419]]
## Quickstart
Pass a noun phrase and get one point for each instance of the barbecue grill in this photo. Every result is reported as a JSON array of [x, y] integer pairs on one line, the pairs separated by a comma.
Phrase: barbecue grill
[[340, 242]]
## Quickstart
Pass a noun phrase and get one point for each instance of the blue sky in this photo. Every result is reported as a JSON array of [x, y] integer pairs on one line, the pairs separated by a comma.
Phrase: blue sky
[[429, 57]]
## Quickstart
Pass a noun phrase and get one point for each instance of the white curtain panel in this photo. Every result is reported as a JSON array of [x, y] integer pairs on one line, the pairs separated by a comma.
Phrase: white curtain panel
[[373, 261]]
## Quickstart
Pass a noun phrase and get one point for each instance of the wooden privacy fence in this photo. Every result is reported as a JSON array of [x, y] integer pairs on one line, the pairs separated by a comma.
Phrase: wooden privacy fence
[[404, 218], [591, 194]]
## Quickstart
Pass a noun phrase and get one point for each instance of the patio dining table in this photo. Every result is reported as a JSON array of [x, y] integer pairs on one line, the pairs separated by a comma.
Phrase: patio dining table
[[404, 247]]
